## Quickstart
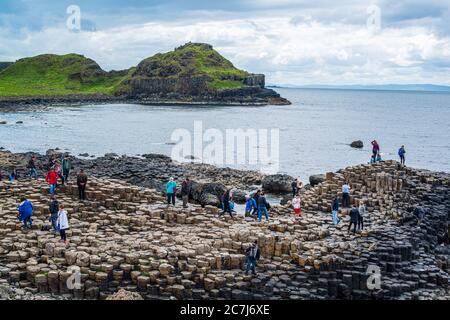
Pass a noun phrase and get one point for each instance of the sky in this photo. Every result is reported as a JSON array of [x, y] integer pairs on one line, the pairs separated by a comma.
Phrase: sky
[[290, 41]]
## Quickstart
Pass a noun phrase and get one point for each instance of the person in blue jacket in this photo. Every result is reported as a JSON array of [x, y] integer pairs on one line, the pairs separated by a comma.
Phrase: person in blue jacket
[[401, 154], [25, 212], [171, 189], [334, 211], [250, 205]]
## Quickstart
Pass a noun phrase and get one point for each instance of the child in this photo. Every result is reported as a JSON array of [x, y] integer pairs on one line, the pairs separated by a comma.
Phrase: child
[[296, 203], [62, 223]]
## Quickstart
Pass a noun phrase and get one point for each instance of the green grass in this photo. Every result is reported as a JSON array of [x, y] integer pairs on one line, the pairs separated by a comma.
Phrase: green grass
[[59, 75], [54, 75]]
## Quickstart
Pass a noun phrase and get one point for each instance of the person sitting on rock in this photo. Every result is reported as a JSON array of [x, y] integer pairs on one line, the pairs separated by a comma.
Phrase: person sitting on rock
[[253, 254], [362, 213], [262, 207], [296, 203], [250, 205], [52, 180], [62, 223], [171, 189], [54, 209], [354, 215], [334, 211], [25, 212]]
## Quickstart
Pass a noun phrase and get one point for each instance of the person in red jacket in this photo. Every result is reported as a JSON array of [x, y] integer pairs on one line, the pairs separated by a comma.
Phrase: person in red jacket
[[52, 180]]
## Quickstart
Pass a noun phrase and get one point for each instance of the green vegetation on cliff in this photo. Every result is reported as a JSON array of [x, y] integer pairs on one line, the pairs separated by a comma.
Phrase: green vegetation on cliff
[[73, 74], [4, 65], [55, 75]]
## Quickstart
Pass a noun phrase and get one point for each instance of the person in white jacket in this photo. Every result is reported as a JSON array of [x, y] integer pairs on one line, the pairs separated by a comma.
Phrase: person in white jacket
[[362, 213], [296, 203], [62, 223]]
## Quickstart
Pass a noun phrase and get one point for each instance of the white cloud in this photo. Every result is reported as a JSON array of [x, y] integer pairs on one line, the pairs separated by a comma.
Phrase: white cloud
[[303, 52]]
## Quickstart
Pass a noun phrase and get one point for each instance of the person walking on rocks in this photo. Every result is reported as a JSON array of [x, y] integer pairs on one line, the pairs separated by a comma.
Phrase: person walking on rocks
[[171, 189], [226, 199], [296, 203], [54, 209], [185, 192], [345, 195], [294, 188], [62, 223], [58, 170], [25, 212], [375, 148], [66, 167], [362, 213], [401, 154], [52, 180], [250, 205], [253, 254], [81, 183], [334, 211], [32, 167], [256, 197], [262, 207], [354, 216]]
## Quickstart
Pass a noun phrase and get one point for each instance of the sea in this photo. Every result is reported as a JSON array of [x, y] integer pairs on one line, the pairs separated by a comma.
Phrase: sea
[[310, 136]]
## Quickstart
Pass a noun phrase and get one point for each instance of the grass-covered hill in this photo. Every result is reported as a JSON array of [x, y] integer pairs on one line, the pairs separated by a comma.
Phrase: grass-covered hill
[[192, 72]]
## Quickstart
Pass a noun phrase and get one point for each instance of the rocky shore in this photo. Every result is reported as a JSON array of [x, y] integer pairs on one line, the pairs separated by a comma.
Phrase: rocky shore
[[125, 237]]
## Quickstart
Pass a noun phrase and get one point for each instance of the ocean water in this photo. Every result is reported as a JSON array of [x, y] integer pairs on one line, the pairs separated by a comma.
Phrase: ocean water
[[314, 132]]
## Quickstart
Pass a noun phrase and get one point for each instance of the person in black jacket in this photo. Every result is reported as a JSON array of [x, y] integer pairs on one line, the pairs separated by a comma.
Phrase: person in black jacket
[[226, 203], [185, 192], [256, 197], [262, 207], [354, 215], [253, 254], [54, 208]]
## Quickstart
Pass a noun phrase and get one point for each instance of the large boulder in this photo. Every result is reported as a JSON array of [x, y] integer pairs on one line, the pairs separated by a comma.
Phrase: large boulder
[[316, 179], [209, 199], [277, 183], [357, 144], [238, 195]]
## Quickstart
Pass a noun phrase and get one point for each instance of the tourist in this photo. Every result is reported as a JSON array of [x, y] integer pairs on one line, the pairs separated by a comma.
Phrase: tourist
[[345, 195], [185, 192], [362, 213], [256, 197], [32, 167], [13, 175], [354, 216], [62, 223], [81, 183], [226, 199], [401, 154], [253, 254], [53, 208], [66, 167], [296, 203], [262, 207], [250, 205], [334, 211], [171, 189], [1, 175], [51, 162], [58, 170], [375, 148], [52, 180], [25, 212]]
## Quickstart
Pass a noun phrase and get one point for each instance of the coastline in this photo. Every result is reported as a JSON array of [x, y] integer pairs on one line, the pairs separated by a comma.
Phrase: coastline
[[405, 233]]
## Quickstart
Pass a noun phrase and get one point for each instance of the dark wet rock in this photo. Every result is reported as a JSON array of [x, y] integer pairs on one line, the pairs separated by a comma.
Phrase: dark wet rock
[[316, 179], [238, 195], [357, 144], [19, 122], [3, 122], [277, 183], [84, 154]]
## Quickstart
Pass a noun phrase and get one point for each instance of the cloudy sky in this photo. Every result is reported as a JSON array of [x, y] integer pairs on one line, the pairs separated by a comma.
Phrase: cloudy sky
[[291, 41]]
